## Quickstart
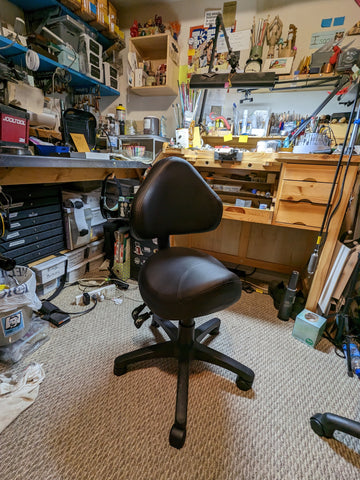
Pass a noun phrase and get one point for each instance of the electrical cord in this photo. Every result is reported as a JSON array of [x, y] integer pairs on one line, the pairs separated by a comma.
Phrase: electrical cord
[[79, 314]]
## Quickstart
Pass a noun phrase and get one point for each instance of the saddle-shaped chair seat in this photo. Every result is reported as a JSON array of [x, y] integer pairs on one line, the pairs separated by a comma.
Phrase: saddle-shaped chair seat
[[179, 283]]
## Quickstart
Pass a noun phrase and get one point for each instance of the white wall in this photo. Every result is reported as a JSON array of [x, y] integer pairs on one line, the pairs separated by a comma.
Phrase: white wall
[[9, 11], [305, 14]]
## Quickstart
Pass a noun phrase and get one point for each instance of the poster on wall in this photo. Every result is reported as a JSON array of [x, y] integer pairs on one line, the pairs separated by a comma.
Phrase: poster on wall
[[201, 41]]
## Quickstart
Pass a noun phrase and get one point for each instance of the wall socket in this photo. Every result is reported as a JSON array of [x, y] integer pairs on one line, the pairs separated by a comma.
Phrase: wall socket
[[108, 291]]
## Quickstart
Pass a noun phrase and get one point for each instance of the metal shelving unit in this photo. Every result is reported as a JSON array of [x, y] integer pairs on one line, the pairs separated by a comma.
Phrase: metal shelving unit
[[79, 82]]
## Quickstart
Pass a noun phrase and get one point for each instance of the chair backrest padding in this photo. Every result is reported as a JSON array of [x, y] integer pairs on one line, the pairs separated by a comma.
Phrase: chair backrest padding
[[174, 199]]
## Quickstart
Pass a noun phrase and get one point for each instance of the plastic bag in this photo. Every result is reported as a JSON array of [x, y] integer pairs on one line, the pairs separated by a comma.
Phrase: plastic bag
[[17, 301]]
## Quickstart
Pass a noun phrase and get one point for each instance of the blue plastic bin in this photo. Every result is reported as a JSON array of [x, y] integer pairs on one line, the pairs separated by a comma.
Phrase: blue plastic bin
[[49, 149]]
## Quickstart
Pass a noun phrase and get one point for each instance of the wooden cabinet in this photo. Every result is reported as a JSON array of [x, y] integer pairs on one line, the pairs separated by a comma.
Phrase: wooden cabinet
[[303, 195], [158, 49]]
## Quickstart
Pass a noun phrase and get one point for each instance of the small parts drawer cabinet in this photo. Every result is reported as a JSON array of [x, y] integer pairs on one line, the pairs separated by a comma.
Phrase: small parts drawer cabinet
[[303, 194]]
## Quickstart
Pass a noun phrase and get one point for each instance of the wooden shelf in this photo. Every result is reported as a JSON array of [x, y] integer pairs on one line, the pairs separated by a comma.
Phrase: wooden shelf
[[251, 141], [156, 91], [158, 49]]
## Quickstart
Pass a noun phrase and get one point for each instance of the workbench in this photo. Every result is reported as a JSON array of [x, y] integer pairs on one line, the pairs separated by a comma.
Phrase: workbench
[[282, 236], [30, 169]]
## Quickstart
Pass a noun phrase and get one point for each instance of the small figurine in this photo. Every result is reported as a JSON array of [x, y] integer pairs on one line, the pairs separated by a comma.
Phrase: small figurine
[[175, 29], [334, 56], [273, 35], [134, 29], [288, 48]]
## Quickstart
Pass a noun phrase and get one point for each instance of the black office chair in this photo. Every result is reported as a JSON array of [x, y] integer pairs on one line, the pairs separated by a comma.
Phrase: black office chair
[[178, 283]]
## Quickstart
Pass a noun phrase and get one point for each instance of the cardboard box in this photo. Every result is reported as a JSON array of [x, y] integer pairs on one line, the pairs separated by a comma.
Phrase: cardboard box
[[102, 19], [72, 4], [309, 327], [88, 10], [140, 252]]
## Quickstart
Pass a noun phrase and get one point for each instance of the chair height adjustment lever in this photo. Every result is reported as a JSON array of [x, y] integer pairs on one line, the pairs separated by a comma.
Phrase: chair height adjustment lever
[[141, 319]]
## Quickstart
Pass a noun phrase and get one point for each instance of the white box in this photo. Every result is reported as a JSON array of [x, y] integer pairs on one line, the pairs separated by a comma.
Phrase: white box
[[140, 77], [75, 257], [43, 290], [76, 272], [97, 218], [95, 248], [50, 269]]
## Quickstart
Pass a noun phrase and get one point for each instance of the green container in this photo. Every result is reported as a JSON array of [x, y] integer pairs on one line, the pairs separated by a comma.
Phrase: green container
[[309, 327]]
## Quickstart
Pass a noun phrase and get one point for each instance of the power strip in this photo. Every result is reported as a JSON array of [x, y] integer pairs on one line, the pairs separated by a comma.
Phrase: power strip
[[107, 291]]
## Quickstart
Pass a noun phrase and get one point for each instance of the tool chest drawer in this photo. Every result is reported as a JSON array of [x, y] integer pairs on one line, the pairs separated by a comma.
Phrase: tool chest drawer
[[300, 214], [309, 173], [311, 192], [303, 194]]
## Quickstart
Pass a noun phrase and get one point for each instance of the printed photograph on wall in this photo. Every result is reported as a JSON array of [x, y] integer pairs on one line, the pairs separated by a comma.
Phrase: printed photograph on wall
[[278, 65]]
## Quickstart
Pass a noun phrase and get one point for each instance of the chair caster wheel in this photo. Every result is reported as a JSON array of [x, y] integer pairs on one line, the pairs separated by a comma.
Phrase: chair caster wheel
[[215, 331], [243, 384], [177, 436], [121, 370]]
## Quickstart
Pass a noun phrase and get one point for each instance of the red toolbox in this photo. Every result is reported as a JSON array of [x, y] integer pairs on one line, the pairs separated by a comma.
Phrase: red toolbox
[[14, 126]]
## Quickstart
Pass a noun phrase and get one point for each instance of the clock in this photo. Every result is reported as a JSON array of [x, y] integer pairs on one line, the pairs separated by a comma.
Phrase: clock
[[253, 66]]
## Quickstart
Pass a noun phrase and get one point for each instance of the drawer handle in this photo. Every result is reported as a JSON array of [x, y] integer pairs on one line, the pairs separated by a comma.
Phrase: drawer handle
[[302, 200], [234, 209], [299, 223]]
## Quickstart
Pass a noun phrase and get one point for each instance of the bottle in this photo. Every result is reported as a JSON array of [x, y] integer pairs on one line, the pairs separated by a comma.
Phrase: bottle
[[121, 117], [354, 357], [287, 302]]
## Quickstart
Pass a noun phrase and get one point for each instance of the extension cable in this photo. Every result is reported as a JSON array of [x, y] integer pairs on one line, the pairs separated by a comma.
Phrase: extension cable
[[107, 292]]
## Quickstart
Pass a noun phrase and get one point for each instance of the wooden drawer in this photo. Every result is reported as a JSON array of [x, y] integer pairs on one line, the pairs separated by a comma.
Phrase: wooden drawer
[[309, 173], [305, 192], [247, 214], [306, 214]]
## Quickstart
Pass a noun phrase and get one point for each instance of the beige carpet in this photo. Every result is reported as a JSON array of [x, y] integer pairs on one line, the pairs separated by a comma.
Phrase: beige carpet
[[89, 424]]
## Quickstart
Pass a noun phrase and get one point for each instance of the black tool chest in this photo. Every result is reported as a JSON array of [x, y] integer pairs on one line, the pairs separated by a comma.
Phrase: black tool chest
[[36, 224]]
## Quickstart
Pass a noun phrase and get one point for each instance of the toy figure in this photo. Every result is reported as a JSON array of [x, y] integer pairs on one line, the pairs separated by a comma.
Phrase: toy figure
[[288, 48], [175, 29], [134, 29], [273, 34]]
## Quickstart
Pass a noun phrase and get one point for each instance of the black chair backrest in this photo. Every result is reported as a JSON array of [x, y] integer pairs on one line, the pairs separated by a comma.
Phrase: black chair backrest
[[174, 199]]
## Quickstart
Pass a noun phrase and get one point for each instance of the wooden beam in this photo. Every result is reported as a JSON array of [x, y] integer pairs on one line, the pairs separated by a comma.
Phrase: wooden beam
[[23, 175]]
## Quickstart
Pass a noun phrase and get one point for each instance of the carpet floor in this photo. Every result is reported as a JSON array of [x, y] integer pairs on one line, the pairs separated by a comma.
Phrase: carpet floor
[[88, 424]]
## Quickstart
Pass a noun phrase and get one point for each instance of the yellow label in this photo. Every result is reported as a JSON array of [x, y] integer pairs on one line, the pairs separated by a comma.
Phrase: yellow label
[[183, 71], [228, 138], [80, 142], [243, 139], [191, 52], [196, 137]]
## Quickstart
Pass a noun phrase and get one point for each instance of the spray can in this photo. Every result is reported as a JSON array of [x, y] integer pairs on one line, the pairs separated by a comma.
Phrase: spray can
[[287, 302], [121, 117]]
